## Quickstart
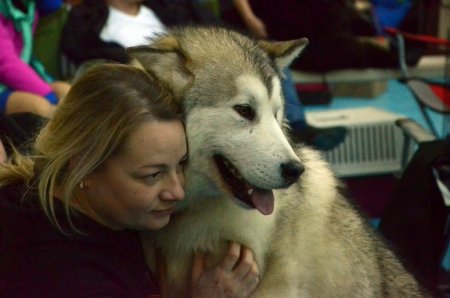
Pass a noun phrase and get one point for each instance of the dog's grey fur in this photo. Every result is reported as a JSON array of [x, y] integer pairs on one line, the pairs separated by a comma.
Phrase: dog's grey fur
[[315, 243]]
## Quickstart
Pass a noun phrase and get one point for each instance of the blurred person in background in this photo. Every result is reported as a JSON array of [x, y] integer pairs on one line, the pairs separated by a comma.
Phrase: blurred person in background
[[25, 86]]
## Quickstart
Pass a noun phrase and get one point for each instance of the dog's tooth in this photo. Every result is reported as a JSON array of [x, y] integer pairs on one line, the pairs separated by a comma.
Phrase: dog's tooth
[[250, 191]]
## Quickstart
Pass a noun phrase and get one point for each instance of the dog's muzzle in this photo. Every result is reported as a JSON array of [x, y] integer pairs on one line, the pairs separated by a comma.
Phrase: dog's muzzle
[[251, 195]]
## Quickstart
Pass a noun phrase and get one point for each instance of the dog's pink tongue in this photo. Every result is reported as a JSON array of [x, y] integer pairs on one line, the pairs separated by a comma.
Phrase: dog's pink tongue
[[263, 200]]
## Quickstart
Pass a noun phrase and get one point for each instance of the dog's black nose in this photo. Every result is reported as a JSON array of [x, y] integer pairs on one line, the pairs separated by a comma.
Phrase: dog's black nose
[[291, 171]]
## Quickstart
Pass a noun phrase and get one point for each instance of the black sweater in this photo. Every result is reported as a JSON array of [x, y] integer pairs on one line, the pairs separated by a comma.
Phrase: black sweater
[[37, 260]]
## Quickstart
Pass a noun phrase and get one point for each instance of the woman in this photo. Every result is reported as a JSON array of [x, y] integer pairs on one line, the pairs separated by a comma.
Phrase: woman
[[108, 165]]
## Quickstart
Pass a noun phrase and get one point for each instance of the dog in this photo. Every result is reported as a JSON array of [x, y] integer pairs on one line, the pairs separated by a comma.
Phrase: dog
[[247, 182]]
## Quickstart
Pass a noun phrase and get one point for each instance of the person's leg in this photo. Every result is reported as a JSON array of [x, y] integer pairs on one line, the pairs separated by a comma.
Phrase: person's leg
[[19, 102], [293, 107], [320, 138]]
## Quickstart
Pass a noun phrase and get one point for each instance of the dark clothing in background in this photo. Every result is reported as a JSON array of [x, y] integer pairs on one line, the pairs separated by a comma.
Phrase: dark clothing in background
[[19, 129], [81, 37], [417, 220], [38, 260], [332, 26]]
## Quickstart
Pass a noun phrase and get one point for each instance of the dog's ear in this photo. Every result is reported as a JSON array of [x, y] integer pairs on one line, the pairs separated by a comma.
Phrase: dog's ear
[[283, 52], [165, 60]]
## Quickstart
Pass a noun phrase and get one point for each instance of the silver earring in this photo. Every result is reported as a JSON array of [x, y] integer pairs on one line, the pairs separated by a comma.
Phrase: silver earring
[[81, 185]]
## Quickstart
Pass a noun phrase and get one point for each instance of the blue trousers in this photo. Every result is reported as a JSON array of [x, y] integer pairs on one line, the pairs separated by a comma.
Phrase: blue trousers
[[294, 111]]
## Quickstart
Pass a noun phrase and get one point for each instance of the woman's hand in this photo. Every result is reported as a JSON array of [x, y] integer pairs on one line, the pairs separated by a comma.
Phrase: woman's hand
[[236, 276]]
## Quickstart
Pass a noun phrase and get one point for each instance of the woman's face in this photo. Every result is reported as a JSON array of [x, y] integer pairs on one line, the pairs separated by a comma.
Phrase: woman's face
[[139, 186]]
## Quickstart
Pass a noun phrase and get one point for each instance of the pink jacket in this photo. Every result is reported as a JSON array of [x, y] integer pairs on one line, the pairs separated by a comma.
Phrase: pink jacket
[[14, 73]]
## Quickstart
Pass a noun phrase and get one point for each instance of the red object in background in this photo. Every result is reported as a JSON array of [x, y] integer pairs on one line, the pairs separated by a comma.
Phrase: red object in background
[[419, 37], [443, 92], [314, 93]]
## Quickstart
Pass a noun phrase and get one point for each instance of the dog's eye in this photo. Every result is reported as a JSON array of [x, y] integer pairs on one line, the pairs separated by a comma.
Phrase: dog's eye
[[245, 111]]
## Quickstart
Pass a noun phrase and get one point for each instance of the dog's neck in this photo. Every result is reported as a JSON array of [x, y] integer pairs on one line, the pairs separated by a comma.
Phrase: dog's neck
[[198, 186]]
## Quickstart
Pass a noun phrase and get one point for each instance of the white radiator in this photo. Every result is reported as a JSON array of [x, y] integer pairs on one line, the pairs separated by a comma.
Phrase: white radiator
[[373, 145]]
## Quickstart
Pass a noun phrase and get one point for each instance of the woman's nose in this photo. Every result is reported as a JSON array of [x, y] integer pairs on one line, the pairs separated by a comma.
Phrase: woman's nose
[[174, 188]]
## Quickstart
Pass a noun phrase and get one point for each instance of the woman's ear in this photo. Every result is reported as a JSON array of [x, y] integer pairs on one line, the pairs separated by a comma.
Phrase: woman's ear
[[84, 182]]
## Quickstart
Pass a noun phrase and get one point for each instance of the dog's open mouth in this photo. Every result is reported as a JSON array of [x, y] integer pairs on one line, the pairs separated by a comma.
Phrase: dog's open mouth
[[252, 196]]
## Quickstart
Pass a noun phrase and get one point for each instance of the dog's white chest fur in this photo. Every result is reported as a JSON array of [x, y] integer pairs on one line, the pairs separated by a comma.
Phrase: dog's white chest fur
[[210, 230]]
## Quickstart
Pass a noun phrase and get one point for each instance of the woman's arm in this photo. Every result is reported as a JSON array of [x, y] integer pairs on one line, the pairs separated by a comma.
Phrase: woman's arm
[[253, 23]]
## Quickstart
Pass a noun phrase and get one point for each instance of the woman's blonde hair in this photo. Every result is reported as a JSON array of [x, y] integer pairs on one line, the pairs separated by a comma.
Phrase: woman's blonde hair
[[100, 111]]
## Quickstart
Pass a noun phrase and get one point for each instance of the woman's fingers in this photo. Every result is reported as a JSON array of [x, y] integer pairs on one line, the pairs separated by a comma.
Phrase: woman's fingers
[[231, 258], [236, 276], [252, 278], [245, 264], [198, 266], [244, 273]]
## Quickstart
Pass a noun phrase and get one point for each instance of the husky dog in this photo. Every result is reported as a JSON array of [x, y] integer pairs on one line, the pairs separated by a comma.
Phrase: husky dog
[[246, 183]]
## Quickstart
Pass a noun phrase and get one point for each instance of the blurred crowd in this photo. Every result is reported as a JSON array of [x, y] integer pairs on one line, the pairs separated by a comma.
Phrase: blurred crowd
[[342, 34]]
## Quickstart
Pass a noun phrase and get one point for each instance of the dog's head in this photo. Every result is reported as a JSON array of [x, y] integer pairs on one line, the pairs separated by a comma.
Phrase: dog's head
[[232, 95]]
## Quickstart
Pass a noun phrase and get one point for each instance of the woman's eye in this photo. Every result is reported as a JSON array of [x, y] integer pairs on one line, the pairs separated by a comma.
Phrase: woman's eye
[[245, 111], [151, 177]]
